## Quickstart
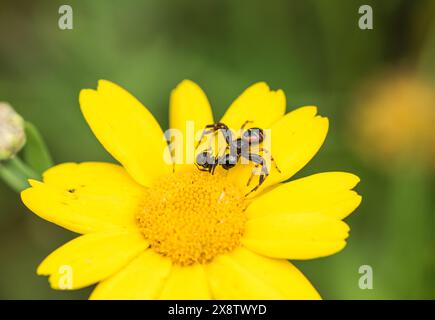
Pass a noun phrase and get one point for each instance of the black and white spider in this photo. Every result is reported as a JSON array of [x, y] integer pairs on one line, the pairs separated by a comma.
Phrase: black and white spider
[[235, 149]]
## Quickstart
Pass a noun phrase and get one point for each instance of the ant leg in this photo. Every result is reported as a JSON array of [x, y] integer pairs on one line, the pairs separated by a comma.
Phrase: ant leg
[[245, 123], [215, 164], [271, 158], [201, 169]]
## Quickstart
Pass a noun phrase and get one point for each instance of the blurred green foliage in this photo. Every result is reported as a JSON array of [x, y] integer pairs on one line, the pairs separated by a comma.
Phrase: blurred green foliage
[[312, 49]]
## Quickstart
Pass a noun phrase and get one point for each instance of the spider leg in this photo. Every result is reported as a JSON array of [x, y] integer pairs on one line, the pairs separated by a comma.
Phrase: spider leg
[[228, 139], [213, 128], [260, 181], [201, 169], [204, 133], [220, 158], [259, 161], [271, 158], [227, 135], [215, 164], [168, 142], [252, 175], [245, 123]]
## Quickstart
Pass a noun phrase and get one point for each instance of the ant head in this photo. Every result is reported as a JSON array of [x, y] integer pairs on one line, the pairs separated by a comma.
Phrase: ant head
[[253, 135], [205, 159], [227, 166], [229, 161]]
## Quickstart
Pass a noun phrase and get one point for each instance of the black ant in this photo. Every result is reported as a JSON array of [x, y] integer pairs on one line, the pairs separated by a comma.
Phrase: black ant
[[235, 149]]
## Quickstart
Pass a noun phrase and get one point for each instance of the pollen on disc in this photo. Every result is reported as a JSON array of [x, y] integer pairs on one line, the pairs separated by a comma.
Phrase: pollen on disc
[[193, 216]]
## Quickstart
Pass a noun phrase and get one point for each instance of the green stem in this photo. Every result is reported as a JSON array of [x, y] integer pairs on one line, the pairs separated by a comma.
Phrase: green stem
[[21, 167], [35, 152], [16, 173], [16, 182]]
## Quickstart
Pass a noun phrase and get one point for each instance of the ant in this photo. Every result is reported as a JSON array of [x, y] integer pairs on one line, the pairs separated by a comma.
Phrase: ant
[[235, 149]]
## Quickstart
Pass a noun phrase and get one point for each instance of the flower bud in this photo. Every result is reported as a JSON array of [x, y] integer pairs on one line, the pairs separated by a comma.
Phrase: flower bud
[[12, 135]]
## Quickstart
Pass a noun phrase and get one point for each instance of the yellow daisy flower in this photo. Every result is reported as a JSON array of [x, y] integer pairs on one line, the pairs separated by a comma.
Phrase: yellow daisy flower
[[149, 232], [397, 112]]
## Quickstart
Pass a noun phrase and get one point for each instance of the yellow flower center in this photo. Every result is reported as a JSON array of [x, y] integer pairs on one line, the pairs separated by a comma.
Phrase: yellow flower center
[[193, 216]]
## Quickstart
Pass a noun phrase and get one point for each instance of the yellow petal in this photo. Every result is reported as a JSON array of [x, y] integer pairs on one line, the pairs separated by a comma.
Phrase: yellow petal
[[231, 281], [245, 275], [143, 279], [189, 112], [85, 197], [296, 235], [186, 283], [328, 193], [296, 138], [127, 130], [280, 274], [91, 258], [292, 141], [258, 104]]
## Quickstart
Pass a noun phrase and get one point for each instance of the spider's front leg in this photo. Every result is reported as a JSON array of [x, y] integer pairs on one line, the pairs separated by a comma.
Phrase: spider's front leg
[[170, 149], [204, 133], [245, 124], [271, 158], [259, 161], [213, 128]]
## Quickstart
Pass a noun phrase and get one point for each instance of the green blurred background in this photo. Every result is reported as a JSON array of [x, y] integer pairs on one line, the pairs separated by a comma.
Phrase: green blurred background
[[312, 49]]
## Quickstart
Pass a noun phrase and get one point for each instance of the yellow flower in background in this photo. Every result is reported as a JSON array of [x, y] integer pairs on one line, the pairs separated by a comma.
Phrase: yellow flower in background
[[149, 232], [394, 119]]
